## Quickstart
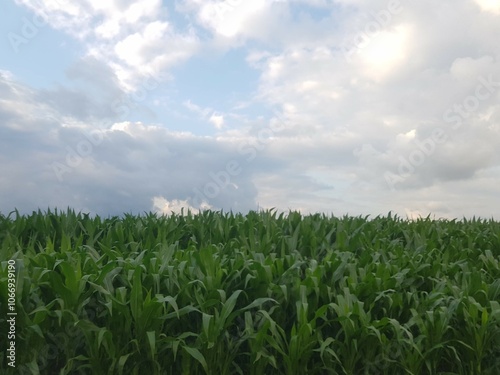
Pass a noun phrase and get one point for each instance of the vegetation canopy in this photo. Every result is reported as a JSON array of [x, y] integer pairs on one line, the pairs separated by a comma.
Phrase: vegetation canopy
[[263, 293]]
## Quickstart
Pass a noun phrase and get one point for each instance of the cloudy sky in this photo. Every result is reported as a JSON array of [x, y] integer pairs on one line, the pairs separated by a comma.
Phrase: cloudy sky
[[355, 107]]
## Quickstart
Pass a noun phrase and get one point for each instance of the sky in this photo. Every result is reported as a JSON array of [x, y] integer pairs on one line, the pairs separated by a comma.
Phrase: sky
[[345, 107]]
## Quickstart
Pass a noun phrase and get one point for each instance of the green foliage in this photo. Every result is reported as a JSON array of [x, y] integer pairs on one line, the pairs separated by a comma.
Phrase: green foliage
[[261, 293]]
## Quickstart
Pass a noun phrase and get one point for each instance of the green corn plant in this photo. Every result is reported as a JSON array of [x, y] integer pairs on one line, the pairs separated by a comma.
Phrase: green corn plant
[[262, 292]]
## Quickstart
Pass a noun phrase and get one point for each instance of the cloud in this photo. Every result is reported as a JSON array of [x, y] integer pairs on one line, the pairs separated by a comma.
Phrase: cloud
[[271, 23], [207, 114], [166, 207], [135, 39], [357, 118], [492, 6], [217, 120], [203, 112], [52, 158], [230, 18], [383, 55]]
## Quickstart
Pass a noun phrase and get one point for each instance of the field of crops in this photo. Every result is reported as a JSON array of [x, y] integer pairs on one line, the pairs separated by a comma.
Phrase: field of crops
[[262, 293]]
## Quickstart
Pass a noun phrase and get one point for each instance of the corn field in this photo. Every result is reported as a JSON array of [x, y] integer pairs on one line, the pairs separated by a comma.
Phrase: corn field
[[263, 293]]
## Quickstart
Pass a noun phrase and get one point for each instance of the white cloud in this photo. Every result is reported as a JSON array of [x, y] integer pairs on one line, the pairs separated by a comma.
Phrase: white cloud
[[467, 69], [165, 207], [133, 49], [358, 118], [230, 18], [217, 120], [492, 6], [386, 52], [207, 114], [134, 39], [204, 112]]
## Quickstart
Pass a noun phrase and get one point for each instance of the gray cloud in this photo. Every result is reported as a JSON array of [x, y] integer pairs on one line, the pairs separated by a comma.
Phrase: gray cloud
[[129, 164]]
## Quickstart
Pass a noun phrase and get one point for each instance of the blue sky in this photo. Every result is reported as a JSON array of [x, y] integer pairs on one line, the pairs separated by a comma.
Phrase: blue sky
[[356, 107]]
